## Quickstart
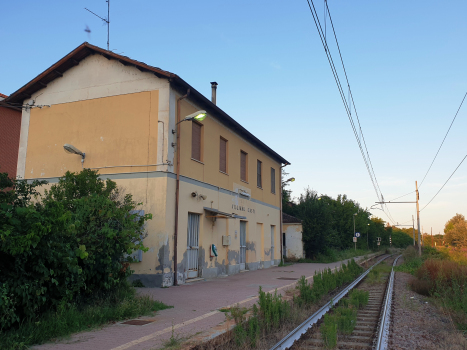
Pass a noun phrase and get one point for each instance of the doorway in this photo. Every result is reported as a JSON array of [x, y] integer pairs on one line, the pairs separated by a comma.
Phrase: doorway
[[192, 245], [242, 258], [272, 244]]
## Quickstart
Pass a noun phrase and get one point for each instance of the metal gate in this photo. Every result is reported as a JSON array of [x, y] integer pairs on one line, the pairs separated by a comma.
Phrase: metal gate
[[272, 244], [192, 245], [242, 258]]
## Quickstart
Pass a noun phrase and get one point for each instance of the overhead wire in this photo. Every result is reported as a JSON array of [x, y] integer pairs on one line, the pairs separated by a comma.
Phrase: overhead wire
[[444, 183], [436, 155], [345, 101]]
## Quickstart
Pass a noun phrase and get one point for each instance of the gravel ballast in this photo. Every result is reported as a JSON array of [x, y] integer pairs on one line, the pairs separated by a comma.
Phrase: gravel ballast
[[418, 324]]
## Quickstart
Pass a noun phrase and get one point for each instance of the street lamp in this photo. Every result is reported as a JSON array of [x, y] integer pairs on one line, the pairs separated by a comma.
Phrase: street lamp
[[199, 116], [73, 150], [354, 215]]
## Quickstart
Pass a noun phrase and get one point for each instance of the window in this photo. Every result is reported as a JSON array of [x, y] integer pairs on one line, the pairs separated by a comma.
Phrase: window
[[258, 174], [223, 155], [196, 141], [243, 166], [273, 180]]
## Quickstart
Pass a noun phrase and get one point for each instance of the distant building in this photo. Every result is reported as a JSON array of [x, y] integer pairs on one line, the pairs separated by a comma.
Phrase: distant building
[[122, 114], [292, 237], [10, 126]]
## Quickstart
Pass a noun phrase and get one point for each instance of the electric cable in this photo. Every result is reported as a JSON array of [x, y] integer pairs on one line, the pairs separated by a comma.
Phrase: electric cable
[[445, 183], [339, 86], [443, 141]]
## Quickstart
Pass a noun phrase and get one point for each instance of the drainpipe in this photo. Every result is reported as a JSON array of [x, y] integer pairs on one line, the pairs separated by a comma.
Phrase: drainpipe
[[281, 233], [177, 186], [214, 91]]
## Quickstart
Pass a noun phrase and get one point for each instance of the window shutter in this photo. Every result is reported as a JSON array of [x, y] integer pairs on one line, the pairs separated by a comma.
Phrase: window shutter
[[273, 180], [196, 141], [223, 156], [258, 176], [243, 166]]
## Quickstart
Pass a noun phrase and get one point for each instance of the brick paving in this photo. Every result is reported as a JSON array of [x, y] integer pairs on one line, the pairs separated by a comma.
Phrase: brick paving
[[195, 309]]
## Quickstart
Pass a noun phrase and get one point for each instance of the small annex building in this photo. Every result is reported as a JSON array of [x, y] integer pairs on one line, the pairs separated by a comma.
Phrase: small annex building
[[10, 126], [219, 180], [292, 237]]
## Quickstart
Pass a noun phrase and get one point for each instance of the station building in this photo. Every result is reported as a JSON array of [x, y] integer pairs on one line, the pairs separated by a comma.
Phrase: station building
[[122, 114]]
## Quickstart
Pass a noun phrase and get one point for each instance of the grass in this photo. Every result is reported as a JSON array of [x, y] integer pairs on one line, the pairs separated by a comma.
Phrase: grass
[[374, 276], [333, 255], [119, 305], [441, 277]]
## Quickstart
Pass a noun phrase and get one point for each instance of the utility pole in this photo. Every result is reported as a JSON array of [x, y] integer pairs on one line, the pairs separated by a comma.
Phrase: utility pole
[[413, 231], [418, 220]]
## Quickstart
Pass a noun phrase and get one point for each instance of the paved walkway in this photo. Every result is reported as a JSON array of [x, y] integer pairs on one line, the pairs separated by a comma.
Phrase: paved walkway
[[195, 309]]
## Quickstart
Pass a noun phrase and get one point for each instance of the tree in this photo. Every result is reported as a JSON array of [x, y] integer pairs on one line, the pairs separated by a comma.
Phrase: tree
[[456, 231]]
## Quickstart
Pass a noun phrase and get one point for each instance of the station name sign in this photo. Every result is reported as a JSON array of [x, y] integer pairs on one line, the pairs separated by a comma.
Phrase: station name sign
[[242, 208]]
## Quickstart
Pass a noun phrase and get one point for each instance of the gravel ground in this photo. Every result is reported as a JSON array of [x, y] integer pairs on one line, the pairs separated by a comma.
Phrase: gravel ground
[[418, 324]]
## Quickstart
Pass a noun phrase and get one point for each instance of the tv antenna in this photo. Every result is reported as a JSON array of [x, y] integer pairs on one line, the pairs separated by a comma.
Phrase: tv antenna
[[105, 20]]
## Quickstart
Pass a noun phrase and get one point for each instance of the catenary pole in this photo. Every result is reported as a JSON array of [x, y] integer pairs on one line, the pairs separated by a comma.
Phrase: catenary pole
[[418, 220]]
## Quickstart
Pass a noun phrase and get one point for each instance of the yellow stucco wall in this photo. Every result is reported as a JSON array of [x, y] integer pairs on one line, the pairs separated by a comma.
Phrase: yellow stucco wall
[[208, 170], [117, 130]]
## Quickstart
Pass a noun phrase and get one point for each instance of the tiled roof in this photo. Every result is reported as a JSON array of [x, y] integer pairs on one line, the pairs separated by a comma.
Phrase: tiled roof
[[289, 219]]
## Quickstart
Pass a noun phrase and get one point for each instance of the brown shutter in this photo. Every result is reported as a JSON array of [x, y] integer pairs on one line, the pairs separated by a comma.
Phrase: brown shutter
[[243, 166], [273, 180], [196, 141], [223, 156], [258, 174]]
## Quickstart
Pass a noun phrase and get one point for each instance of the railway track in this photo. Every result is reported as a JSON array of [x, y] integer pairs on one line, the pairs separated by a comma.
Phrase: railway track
[[372, 326]]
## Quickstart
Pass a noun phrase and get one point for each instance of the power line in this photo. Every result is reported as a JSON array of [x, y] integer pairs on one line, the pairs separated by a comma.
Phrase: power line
[[445, 182], [402, 196], [339, 86], [443, 141], [351, 97]]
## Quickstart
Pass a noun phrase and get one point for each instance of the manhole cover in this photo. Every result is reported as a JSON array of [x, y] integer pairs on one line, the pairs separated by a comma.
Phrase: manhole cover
[[287, 278], [138, 322]]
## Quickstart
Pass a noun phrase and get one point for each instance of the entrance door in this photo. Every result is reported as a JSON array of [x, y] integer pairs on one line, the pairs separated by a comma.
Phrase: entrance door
[[242, 258], [272, 244], [192, 245]]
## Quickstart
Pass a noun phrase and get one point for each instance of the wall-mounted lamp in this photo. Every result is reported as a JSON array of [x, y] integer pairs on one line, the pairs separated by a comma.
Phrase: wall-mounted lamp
[[73, 150], [199, 116]]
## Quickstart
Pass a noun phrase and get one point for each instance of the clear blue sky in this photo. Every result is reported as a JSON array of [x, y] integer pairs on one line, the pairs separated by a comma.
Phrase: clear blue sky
[[406, 62]]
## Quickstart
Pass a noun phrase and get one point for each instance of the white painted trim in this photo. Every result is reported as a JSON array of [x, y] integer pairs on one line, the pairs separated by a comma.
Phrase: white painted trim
[[23, 143]]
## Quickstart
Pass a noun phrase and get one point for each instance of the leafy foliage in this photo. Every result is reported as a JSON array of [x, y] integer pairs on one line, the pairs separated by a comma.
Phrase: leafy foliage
[[64, 246], [456, 231], [328, 225]]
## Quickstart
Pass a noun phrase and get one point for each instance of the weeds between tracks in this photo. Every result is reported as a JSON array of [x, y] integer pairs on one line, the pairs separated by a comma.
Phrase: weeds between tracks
[[273, 317]]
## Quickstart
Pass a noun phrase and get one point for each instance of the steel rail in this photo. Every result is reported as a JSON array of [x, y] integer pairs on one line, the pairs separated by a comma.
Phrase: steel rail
[[290, 338], [383, 332]]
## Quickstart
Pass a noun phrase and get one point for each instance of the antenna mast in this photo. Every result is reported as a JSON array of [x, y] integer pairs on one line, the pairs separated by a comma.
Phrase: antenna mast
[[105, 20]]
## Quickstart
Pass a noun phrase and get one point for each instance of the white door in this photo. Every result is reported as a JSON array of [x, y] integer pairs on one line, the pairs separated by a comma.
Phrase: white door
[[272, 244], [192, 245], [242, 258]]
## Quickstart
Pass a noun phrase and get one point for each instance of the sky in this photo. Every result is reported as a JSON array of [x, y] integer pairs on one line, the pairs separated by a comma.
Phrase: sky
[[405, 61]]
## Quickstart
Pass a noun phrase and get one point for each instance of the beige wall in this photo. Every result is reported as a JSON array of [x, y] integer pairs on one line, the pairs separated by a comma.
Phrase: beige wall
[[208, 170], [112, 131], [96, 78], [293, 240]]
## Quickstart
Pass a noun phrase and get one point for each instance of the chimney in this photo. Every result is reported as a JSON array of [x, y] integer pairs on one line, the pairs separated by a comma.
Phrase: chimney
[[214, 89]]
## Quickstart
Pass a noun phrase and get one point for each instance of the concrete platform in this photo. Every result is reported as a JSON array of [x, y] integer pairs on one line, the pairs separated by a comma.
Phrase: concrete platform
[[195, 309]]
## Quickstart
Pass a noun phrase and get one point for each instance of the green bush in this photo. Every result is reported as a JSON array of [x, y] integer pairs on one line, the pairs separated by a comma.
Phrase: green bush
[[62, 247], [359, 298]]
